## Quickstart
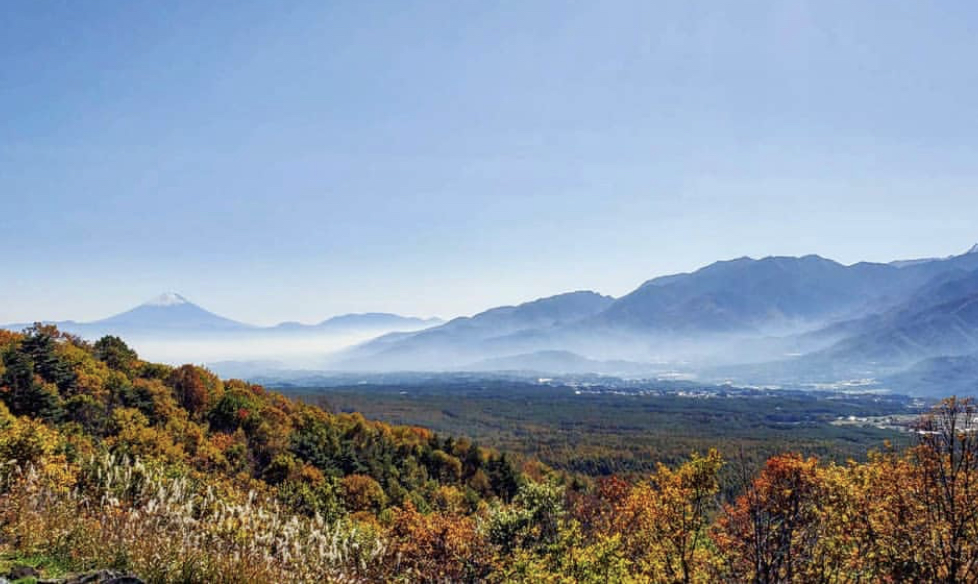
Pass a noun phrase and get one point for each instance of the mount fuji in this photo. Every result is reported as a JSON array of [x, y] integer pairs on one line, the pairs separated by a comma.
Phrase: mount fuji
[[171, 315], [168, 312], [171, 328]]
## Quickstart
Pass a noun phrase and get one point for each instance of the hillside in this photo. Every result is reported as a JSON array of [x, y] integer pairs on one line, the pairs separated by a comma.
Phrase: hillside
[[905, 345], [949, 328], [939, 375], [116, 466]]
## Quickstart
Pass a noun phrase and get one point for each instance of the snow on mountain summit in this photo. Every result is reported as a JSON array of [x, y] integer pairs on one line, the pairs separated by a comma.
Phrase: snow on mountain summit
[[167, 312], [166, 300]]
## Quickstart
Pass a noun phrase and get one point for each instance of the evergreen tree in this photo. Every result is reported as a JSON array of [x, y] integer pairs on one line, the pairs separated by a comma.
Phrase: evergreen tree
[[27, 395], [503, 478]]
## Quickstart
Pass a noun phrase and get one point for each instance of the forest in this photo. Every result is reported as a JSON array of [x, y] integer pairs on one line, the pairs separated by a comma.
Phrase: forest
[[170, 474], [598, 430]]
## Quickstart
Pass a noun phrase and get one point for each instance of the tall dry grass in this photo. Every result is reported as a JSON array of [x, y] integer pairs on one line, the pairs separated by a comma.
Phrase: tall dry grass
[[124, 515]]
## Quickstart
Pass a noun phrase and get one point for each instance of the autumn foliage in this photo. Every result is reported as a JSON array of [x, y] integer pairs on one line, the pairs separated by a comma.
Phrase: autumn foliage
[[108, 461]]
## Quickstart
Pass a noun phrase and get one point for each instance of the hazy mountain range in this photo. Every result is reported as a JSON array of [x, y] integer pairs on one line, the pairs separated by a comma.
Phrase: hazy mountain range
[[170, 328], [907, 325], [171, 313], [782, 320]]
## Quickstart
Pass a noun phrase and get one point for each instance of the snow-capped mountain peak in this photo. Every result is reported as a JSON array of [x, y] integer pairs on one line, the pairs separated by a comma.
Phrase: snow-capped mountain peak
[[973, 250], [167, 312], [166, 300]]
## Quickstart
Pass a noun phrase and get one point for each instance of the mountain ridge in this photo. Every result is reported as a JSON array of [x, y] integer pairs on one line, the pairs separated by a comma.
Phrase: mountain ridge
[[172, 312], [799, 317], [713, 314]]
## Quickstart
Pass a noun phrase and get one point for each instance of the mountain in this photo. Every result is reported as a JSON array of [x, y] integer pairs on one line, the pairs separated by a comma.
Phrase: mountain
[[937, 377], [842, 320], [939, 318], [945, 329], [166, 315], [467, 339], [365, 321], [773, 294], [171, 313], [170, 328], [797, 318], [729, 312], [917, 261], [168, 312], [383, 321], [947, 286], [545, 312], [902, 345]]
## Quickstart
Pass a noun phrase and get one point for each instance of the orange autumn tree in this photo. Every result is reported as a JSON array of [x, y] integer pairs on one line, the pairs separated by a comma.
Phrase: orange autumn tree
[[196, 389], [769, 533], [437, 547]]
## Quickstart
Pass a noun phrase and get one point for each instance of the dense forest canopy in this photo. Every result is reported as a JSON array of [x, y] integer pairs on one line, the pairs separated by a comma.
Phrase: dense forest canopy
[[172, 474], [597, 430]]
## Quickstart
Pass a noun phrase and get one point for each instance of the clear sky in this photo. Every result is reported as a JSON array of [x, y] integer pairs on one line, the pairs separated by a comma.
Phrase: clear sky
[[293, 160]]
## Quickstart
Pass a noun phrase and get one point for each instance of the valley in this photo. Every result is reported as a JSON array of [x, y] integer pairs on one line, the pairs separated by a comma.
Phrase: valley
[[600, 428]]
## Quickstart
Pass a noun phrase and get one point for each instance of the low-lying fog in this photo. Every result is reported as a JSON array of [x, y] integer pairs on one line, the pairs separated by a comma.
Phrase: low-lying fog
[[299, 351]]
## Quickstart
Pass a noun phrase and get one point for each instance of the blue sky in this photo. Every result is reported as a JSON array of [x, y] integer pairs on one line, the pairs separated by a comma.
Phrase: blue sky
[[294, 160]]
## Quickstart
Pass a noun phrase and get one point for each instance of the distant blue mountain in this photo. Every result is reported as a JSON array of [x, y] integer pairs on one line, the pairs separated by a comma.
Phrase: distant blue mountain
[[770, 294], [168, 312], [365, 321], [939, 320], [917, 261], [925, 339], [172, 315], [547, 312], [166, 315], [938, 377], [785, 318], [729, 309], [459, 341]]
